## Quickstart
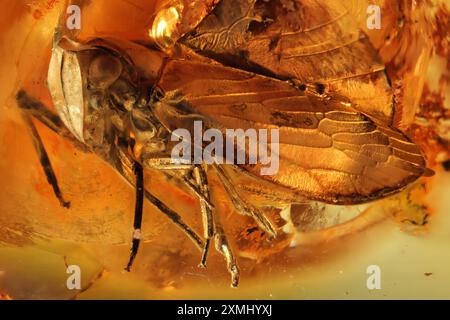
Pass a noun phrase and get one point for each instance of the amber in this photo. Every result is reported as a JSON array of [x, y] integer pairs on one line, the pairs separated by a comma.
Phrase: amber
[[320, 248]]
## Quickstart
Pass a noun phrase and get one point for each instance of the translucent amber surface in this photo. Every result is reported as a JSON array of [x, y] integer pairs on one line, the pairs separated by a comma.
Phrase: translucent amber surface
[[322, 252]]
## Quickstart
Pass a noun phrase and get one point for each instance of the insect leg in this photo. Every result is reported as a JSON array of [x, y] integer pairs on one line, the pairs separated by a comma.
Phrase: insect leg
[[191, 186], [172, 215], [199, 186], [125, 168], [39, 111], [208, 222], [165, 164], [138, 211], [213, 227], [42, 153], [242, 206], [223, 247], [178, 171]]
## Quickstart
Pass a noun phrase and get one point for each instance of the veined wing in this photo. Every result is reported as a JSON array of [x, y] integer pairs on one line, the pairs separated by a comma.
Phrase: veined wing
[[308, 41], [328, 151]]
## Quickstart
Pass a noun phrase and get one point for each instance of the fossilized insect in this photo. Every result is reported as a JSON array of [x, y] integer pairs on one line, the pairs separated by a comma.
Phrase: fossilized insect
[[301, 67]]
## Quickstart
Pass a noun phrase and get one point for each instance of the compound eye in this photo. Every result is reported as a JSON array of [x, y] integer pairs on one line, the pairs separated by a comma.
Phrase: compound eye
[[104, 71]]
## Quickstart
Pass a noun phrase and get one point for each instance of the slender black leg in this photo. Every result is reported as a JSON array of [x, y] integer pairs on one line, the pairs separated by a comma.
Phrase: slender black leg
[[45, 160], [38, 110], [124, 165], [138, 211]]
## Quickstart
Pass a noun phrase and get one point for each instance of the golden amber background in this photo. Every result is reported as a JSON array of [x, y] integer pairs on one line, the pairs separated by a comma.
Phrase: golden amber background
[[38, 238]]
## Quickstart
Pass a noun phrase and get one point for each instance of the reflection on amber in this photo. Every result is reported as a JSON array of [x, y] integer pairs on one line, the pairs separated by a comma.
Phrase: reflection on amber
[[164, 30], [322, 251]]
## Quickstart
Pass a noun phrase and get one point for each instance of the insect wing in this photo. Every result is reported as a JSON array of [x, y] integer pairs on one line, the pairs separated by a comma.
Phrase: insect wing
[[328, 151], [307, 41]]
